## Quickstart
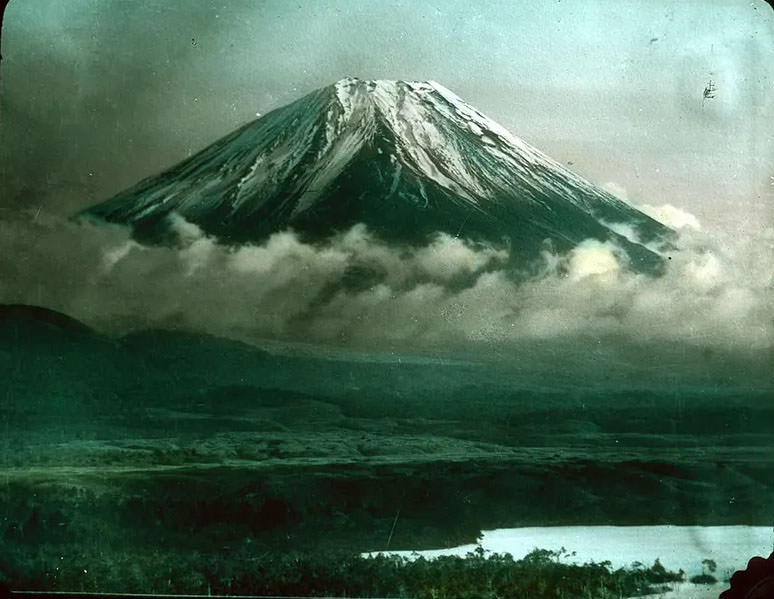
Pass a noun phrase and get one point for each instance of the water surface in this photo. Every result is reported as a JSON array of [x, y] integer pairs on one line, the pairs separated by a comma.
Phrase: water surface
[[677, 547]]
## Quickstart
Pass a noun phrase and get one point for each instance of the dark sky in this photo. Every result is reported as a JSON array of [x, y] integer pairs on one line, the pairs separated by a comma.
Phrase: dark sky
[[99, 94]]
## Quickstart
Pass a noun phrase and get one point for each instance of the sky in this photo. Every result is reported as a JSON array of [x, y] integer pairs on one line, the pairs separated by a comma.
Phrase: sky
[[97, 95]]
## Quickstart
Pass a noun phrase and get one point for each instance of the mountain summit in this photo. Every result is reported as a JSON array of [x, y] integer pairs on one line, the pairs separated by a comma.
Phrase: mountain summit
[[408, 159]]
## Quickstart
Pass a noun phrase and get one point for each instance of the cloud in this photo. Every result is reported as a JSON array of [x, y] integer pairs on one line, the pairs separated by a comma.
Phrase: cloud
[[448, 257], [593, 258], [671, 216], [357, 291]]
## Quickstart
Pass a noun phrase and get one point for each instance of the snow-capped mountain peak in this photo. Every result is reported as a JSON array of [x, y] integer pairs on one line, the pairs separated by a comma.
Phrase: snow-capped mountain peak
[[408, 158]]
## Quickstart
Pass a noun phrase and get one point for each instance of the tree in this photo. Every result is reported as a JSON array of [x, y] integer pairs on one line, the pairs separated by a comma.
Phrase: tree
[[708, 566]]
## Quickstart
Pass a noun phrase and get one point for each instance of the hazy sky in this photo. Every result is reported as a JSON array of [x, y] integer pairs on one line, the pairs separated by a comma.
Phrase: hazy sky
[[98, 94]]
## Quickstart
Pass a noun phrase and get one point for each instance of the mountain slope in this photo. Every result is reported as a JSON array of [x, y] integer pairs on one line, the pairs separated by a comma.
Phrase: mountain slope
[[408, 159]]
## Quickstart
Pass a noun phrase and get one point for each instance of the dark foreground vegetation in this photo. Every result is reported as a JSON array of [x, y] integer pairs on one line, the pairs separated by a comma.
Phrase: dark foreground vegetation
[[540, 574]]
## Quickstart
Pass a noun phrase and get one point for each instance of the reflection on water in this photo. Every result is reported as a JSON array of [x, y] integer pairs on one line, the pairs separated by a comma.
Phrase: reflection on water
[[677, 547]]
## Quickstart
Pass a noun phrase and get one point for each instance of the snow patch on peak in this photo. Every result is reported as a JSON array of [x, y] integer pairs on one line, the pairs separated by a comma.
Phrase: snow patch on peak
[[421, 114], [345, 89], [349, 85], [447, 94]]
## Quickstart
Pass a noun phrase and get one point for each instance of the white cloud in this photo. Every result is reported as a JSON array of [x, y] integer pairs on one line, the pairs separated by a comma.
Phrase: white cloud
[[447, 257], [672, 216], [448, 293], [592, 258]]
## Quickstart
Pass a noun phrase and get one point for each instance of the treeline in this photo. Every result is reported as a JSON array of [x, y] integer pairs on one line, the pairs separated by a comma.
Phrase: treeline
[[541, 574]]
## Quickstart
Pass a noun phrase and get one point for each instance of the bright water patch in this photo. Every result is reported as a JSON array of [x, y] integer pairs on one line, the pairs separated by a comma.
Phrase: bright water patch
[[677, 547]]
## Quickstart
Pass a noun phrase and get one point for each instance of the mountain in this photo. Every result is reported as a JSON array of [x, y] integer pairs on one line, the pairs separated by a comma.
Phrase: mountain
[[20, 322], [408, 159], [56, 371]]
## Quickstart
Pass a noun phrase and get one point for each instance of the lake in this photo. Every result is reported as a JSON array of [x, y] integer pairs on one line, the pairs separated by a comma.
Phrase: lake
[[678, 547]]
